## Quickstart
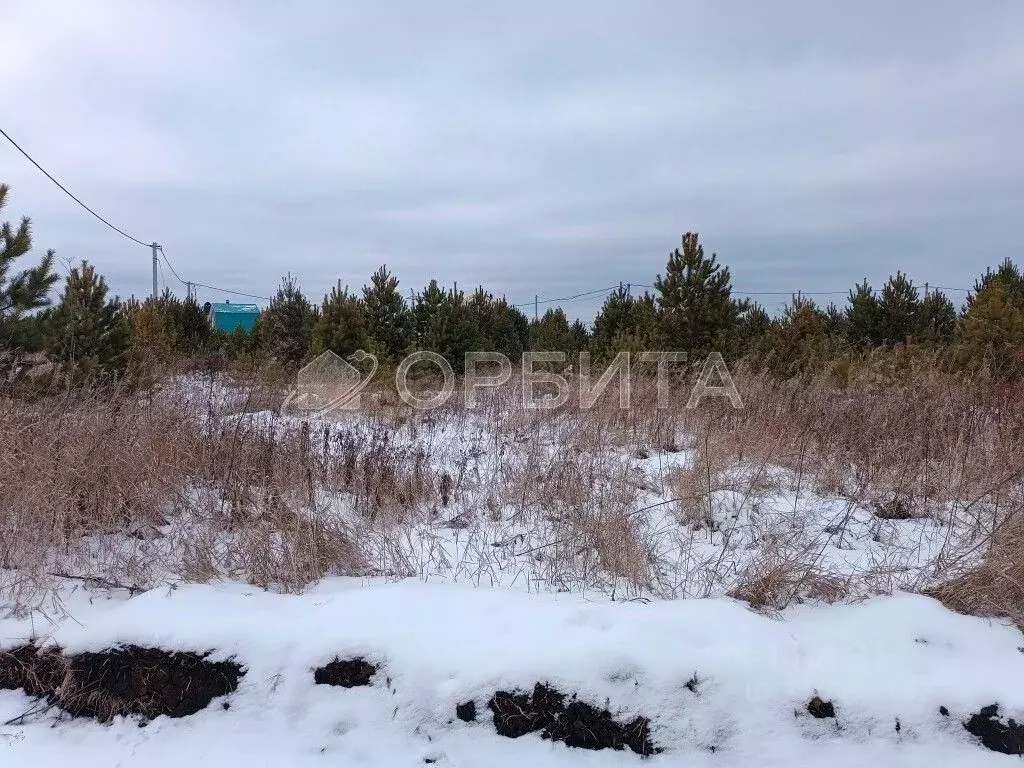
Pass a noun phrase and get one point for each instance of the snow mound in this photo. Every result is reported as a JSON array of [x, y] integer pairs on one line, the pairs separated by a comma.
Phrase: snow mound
[[720, 684]]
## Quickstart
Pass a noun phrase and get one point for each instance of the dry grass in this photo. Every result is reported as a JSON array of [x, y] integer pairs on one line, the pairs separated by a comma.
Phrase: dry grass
[[996, 586], [201, 479], [115, 488]]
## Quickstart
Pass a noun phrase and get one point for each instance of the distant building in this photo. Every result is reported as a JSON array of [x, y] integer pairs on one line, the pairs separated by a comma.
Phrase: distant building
[[230, 317]]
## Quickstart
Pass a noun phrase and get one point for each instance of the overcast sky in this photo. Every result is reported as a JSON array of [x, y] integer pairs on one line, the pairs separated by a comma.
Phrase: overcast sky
[[534, 147]]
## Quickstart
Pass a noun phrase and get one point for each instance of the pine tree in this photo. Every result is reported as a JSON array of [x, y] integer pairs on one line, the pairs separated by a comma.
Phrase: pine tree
[[442, 322], [429, 306], [22, 335], [388, 320], [936, 318], [241, 343], [799, 342], [624, 323], [21, 292], [697, 311], [835, 321], [614, 316], [86, 330], [554, 333], [899, 309], [341, 327], [863, 317], [509, 330], [644, 320], [551, 333], [991, 332], [286, 325], [751, 330], [1008, 274], [579, 338], [192, 329], [497, 326], [153, 338]]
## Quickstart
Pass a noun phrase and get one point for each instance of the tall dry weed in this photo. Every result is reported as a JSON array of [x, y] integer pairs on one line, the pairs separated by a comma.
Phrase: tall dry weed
[[200, 478]]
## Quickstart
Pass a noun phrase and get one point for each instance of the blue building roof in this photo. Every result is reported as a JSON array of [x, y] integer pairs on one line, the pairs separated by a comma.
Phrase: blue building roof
[[227, 306]]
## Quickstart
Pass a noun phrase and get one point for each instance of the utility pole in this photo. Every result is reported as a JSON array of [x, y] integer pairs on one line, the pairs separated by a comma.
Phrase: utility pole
[[535, 307], [155, 247], [188, 290]]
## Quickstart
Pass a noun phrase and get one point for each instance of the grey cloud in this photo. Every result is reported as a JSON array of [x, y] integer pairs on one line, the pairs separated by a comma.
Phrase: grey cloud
[[543, 148]]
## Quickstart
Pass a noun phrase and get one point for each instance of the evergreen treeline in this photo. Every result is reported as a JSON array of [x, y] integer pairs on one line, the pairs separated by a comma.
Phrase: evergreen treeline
[[85, 332]]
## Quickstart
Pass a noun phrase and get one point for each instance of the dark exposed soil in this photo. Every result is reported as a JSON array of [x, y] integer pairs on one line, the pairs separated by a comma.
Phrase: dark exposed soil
[[898, 508], [466, 712], [577, 724], [514, 714], [1007, 738], [820, 708], [347, 673], [147, 682], [39, 673]]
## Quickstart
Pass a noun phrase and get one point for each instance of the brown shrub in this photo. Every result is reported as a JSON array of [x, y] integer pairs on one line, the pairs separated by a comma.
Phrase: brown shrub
[[996, 586]]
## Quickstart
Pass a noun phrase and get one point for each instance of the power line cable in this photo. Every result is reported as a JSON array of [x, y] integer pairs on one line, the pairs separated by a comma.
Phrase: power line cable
[[585, 294], [566, 298], [170, 266], [68, 192], [790, 293], [537, 301], [233, 293], [120, 231], [204, 285]]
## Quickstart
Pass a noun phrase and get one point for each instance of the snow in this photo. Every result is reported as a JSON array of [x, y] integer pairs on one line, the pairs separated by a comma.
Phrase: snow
[[506, 539], [498, 593], [526, 488], [892, 657]]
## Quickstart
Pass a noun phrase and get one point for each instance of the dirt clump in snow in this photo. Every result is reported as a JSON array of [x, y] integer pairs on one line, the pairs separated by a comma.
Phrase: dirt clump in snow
[[899, 507], [820, 708], [576, 723], [514, 714], [346, 673], [1007, 738], [37, 672], [466, 712], [129, 680], [148, 682]]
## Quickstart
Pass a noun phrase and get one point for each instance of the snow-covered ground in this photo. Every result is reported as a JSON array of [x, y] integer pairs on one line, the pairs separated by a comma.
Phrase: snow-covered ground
[[523, 498], [890, 660], [511, 549], [549, 502]]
